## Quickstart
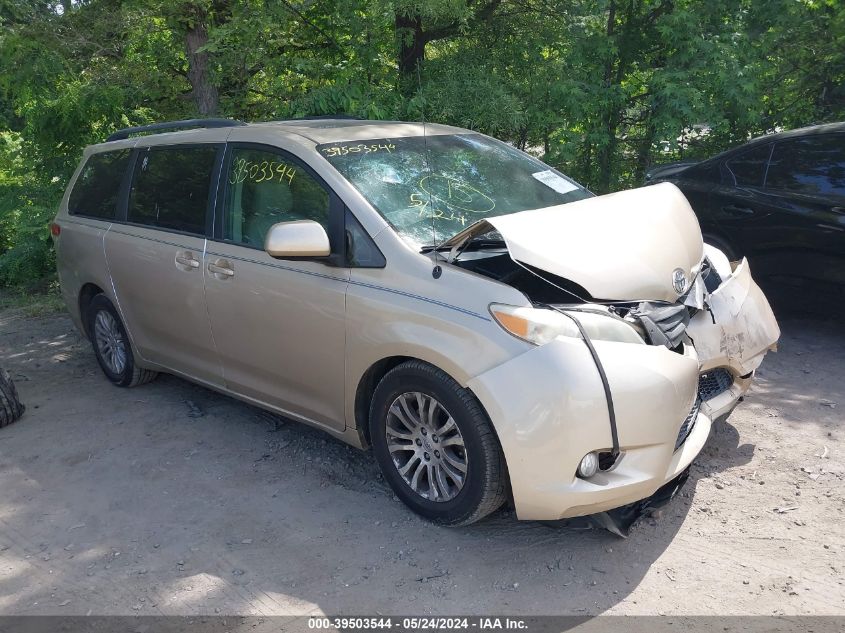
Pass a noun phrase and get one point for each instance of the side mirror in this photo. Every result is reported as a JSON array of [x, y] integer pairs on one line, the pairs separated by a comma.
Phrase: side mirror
[[300, 238]]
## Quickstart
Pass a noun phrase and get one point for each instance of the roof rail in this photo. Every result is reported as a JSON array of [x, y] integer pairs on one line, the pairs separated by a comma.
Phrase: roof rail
[[173, 125], [318, 117]]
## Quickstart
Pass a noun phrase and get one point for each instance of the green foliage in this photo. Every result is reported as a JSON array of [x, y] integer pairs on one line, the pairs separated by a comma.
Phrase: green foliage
[[27, 203], [601, 89]]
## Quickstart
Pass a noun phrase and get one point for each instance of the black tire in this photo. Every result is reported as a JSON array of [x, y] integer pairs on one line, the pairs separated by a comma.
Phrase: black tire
[[723, 245], [11, 408], [130, 375], [485, 484]]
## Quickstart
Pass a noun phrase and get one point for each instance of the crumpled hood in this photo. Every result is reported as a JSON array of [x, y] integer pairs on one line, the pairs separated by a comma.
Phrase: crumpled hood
[[621, 246]]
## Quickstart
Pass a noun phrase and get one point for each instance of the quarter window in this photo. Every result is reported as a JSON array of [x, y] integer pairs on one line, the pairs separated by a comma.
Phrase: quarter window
[[749, 169], [361, 252], [814, 165], [170, 188], [265, 188], [98, 186]]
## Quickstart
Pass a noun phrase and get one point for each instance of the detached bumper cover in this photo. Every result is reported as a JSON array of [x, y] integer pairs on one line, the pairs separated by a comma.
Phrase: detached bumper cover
[[739, 327], [733, 336]]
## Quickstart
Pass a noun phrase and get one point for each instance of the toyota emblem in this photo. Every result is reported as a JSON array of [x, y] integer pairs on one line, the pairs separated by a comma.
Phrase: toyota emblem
[[679, 280]]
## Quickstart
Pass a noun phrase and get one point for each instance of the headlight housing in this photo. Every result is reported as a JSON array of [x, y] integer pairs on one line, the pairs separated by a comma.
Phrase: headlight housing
[[542, 325]]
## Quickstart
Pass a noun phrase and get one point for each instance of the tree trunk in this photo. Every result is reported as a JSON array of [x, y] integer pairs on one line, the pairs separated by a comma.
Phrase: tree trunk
[[206, 97], [411, 44], [610, 115], [644, 149]]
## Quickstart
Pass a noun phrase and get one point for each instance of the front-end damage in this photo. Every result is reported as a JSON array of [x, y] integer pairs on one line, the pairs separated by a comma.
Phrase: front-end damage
[[699, 347]]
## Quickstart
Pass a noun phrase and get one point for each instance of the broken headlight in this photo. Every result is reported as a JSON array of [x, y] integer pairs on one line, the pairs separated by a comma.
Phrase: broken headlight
[[542, 325]]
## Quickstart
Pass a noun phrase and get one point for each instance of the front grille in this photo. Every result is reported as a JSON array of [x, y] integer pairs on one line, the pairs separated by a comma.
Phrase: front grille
[[689, 423], [713, 383]]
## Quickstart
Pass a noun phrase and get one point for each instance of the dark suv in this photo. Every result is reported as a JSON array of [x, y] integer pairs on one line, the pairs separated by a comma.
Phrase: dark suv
[[778, 199]]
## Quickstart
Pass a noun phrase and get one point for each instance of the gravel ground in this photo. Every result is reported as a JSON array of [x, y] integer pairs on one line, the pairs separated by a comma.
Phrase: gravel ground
[[172, 499]]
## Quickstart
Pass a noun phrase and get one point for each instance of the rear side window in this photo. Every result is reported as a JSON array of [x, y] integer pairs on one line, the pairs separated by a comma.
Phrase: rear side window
[[749, 168], [96, 190], [170, 188], [814, 165]]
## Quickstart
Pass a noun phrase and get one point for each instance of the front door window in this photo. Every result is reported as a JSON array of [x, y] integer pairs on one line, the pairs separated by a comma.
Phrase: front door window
[[265, 188]]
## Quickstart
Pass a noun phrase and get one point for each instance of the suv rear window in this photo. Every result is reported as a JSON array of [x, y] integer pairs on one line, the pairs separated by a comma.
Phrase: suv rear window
[[96, 190], [170, 188]]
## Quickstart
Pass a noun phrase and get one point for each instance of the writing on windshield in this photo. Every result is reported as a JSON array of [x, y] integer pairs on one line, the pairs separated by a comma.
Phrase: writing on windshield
[[430, 188]]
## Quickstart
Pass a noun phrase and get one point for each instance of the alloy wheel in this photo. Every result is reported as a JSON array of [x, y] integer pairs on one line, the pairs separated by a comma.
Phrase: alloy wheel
[[426, 446], [110, 342]]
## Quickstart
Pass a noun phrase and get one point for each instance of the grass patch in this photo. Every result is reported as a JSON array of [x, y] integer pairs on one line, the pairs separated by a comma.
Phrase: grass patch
[[33, 303]]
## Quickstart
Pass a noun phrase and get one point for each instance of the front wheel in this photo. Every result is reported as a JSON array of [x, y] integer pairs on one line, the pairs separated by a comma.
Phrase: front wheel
[[111, 345], [435, 445]]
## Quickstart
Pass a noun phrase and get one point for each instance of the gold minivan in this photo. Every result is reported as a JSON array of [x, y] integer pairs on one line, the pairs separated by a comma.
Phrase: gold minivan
[[487, 325]]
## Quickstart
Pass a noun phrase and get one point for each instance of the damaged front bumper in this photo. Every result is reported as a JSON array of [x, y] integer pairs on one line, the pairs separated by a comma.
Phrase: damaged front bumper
[[731, 336], [549, 408]]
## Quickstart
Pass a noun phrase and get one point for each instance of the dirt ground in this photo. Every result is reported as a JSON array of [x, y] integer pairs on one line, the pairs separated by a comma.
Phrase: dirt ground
[[171, 499]]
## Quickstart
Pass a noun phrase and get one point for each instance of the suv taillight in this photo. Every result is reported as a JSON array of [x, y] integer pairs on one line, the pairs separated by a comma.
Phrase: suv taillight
[[55, 229]]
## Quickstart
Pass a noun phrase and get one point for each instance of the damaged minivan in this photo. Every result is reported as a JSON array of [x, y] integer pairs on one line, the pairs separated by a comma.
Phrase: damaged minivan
[[487, 325]]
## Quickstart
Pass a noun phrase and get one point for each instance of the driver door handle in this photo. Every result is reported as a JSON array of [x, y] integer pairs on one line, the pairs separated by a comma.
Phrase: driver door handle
[[221, 269], [187, 260], [735, 209]]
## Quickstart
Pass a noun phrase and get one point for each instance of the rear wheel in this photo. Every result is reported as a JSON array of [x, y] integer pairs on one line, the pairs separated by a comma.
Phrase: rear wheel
[[436, 446], [111, 345]]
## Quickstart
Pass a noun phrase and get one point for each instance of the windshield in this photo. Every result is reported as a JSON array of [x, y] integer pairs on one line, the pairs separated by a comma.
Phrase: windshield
[[430, 188]]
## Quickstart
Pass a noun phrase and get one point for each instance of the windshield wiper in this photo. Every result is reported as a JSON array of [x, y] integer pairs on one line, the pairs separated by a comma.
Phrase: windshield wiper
[[474, 244]]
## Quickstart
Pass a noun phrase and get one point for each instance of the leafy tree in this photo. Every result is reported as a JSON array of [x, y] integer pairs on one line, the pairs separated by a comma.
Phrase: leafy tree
[[601, 89]]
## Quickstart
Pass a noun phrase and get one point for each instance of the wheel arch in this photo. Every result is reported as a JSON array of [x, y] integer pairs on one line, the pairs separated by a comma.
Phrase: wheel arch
[[716, 237], [370, 379], [367, 384], [86, 295]]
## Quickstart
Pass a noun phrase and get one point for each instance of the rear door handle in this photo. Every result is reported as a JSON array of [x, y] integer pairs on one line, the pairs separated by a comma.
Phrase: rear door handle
[[735, 209], [186, 261], [221, 269]]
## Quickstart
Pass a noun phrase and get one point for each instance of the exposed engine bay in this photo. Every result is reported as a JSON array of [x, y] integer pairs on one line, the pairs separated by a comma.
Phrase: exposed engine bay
[[658, 322]]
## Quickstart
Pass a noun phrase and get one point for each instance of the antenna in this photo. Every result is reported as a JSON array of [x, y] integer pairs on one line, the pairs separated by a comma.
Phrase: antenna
[[437, 270]]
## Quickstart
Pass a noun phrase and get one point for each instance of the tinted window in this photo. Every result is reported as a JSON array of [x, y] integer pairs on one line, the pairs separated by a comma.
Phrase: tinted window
[[749, 168], [170, 188], [811, 165], [265, 188], [709, 172], [96, 190]]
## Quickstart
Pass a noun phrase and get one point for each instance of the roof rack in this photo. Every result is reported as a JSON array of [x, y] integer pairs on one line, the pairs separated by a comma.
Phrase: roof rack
[[173, 125]]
